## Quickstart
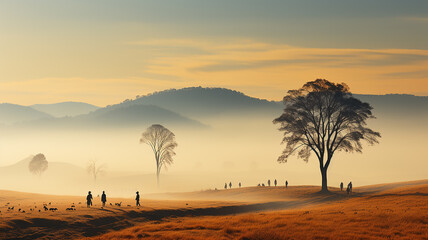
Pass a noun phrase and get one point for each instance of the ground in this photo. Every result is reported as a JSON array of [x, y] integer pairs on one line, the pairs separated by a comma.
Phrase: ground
[[388, 211]]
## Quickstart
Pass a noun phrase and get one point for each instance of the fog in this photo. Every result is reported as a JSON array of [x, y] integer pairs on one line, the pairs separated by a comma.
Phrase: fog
[[232, 149]]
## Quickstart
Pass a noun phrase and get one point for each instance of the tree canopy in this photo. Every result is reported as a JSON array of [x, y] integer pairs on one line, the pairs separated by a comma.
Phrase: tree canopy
[[162, 142], [38, 164]]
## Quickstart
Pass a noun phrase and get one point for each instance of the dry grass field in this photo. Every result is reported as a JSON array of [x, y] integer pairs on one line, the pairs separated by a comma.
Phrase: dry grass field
[[389, 211]]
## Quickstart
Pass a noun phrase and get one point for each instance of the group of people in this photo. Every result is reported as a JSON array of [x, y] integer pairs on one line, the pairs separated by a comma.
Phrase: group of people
[[230, 185], [275, 182], [348, 188], [104, 199]]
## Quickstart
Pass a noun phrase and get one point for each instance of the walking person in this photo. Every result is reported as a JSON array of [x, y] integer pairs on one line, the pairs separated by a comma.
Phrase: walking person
[[275, 182], [286, 183], [341, 186], [230, 184], [89, 199], [225, 185], [137, 199], [104, 199], [269, 182], [350, 187]]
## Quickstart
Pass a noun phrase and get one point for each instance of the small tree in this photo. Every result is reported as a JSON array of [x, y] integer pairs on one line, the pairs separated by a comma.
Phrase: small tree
[[162, 141], [94, 170], [38, 164], [322, 117]]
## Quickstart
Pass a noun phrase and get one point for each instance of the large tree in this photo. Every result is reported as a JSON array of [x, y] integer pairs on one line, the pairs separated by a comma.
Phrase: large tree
[[321, 118], [38, 164], [162, 141]]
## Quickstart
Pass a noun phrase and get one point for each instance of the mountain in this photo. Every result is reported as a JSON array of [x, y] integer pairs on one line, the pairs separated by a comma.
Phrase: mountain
[[136, 115], [12, 113], [21, 168], [59, 177], [403, 105], [198, 102], [64, 109], [119, 117]]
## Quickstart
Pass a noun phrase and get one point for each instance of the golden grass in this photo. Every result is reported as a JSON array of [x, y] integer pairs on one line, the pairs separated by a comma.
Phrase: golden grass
[[393, 214]]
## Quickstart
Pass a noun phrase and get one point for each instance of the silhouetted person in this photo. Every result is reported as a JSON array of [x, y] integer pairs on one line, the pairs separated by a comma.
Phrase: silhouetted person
[[230, 184], [104, 199], [275, 182], [341, 186], [269, 182], [239, 184], [350, 187], [225, 185], [286, 183], [137, 199], [258, 185], [89, 199], [263, 184]]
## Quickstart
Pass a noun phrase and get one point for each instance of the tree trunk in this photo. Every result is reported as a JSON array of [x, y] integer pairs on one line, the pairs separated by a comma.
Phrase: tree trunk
[[157, 177], [324, 180]]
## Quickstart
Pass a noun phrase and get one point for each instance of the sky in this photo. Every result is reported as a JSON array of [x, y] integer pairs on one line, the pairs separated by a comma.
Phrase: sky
[[102, 52]]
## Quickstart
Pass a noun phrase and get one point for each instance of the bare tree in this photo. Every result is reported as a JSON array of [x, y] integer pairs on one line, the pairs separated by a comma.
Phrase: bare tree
[[95, 170], [322, 117], [38, 164], [162, 141]]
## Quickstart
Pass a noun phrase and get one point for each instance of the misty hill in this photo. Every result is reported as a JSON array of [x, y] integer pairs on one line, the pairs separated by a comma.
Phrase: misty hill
[[403, 105], [199, 102], [21, 168], [137, 115], [13, 113], [64, 109], [120, 117]]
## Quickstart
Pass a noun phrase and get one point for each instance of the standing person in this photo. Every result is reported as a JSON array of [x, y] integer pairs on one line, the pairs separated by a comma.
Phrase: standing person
[[286, 183], [230, 184], [137, 199], [275, 182], [225, 185], [104, 199], [239, 184], [269, 182], [89, 199], [347, 189], [341, 186], [350, 187]]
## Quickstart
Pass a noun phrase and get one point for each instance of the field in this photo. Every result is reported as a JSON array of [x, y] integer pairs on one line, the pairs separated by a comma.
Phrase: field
[[388, 211]]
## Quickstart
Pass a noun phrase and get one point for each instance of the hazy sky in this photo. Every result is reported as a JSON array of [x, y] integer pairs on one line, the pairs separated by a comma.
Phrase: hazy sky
[[105, 51]]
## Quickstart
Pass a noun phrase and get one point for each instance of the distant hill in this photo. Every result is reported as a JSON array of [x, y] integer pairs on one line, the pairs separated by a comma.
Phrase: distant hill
[[20, 168], [119, 117], [202, 103], [403, 105], [181, 106], [197, 102], [64, 109], [136, 115], [13, 113]]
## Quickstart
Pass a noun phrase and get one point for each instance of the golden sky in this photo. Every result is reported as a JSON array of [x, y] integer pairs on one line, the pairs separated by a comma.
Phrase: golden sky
[[104, 52]]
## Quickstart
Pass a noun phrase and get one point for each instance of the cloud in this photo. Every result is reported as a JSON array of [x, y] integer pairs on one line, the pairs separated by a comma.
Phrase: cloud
[[260, 69], [348, 58], [408, 75]]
